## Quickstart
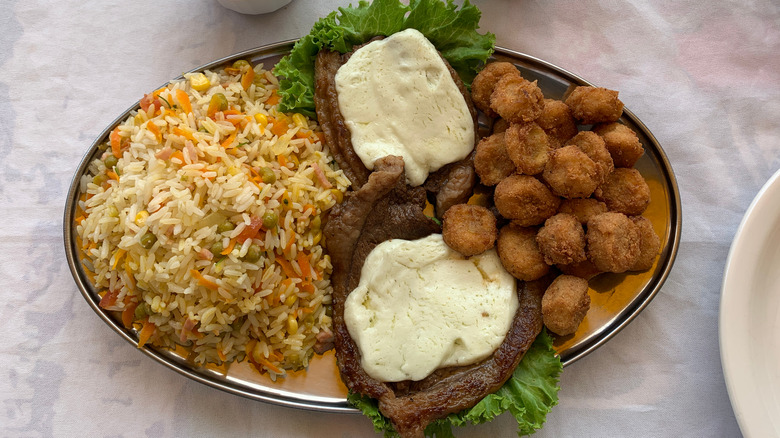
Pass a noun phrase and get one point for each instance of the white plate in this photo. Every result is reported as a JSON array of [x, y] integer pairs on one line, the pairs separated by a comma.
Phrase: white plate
[[750, 316]]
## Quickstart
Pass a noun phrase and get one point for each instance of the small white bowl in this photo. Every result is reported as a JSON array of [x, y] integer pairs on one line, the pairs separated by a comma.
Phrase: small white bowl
[[253, 7]]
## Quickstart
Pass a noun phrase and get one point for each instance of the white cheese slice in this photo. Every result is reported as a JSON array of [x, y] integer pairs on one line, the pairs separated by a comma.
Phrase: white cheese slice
[[398, 98], [421, 306]]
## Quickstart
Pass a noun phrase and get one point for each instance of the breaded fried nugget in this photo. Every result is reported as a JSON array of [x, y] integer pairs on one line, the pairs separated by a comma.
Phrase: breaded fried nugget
[[624, 191], [621, 142], [584, 269], [583, 208], [485, 81], [571, 173], [649, 244], [592, 105], [525, 200], [557, 122], [593, 146], [491, 160], [469, 229], [528, 147], [516, 99], [519, 253], [565, 304], [562, 240], [613, 242], [500, 125]]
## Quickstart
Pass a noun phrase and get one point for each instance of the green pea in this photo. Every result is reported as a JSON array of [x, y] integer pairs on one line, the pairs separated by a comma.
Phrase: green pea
[[140, 311], [225, 226], [110, 161], [268, 175], [148, 239], [99, 179], [252, 254], [217, 247], [242, 65], [270, 220], [218, 103]]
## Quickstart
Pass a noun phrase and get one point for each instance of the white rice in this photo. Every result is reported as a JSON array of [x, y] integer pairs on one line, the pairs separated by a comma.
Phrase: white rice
[[239, 308]]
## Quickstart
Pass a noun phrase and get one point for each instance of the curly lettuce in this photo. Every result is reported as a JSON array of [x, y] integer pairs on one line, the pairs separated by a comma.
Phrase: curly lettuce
[[451, 29], [528, 395]]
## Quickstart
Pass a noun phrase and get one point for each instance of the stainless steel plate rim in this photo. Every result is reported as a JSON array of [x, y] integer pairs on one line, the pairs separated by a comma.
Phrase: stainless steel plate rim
[[326, 404]]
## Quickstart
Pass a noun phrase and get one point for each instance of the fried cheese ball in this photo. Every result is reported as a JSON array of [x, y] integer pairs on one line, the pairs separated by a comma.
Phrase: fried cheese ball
[[469, 229], [595, 148], [624, 191], [528, 147], [592, 105], [520, 254], [485, 82], [571, 173], [557, 122], [491, 160], [565, 304], [613, 242], [649, 244], [621, 142], [516, 99], [583, 208], [525, 200], [562, 240]]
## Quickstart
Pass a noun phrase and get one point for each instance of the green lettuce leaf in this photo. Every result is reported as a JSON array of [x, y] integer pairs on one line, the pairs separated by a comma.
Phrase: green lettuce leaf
[[453, 31], [528, 395]]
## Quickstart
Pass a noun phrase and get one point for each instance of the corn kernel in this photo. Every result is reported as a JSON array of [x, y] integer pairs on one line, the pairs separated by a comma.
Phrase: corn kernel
[[261, 119], [233, 170], [200, 82], [140, 218], [337, 195], [292, 325], [300, 120], [291, 300], [317, 238]]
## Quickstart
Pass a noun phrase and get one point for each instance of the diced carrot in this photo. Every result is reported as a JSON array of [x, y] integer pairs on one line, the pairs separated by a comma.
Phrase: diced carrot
[[186, 133], [146, 332], [251, 230], [303, 262], [115, 140], [203, 281], [230, 247], [290, 243], [80, 219], [248, 78], [119, 254], [279, 127], [221, 355], [273, 99], [128, 314], [268, 365], [154, 129], [286, 267], [282, 160], [184, 100], [302, 134], [179, 155], [108, 300], [310, 207], [225, 144], [307, 286], [111, 174], [130, 277]]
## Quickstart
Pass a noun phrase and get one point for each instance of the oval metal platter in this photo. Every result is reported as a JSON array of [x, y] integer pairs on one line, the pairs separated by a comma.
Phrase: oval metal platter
[[616, 298]]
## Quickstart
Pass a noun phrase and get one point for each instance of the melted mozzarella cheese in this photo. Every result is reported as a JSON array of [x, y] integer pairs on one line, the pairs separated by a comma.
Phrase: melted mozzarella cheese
[[398, 98], [421, 306]]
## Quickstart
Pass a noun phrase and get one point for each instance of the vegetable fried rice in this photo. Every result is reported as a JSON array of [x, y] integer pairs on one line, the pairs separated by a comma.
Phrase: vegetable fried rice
[[200, 222]]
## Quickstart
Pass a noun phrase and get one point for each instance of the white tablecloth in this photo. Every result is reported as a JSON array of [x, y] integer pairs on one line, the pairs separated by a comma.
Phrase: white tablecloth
[[703, 76]]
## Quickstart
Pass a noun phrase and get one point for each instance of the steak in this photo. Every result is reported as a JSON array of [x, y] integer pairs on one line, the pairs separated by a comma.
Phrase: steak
[[386, 208], [450, 185]]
